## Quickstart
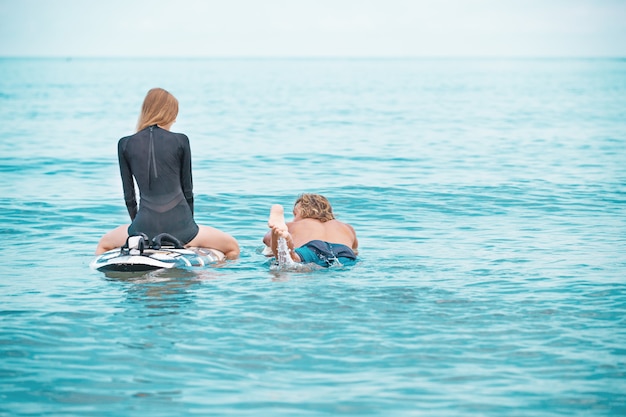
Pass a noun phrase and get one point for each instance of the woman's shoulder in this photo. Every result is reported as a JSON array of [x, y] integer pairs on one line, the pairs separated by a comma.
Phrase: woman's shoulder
[[128, 137], [181, 138], [121, 144]]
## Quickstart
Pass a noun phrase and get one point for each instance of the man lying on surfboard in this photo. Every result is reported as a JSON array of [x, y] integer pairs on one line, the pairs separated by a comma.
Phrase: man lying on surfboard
[[314, 235]]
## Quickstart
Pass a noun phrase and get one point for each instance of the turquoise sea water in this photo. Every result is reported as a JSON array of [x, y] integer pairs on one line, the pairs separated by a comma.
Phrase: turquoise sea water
[[488, 197]]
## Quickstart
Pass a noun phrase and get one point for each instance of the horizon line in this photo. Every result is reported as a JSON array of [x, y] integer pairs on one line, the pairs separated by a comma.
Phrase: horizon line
[[315, 57]]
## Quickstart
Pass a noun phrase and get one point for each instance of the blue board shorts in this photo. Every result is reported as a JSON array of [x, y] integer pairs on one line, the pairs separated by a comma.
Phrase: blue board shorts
[[326, 254]]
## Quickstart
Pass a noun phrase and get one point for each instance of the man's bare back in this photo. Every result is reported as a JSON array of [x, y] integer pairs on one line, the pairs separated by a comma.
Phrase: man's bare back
[[334, 231]]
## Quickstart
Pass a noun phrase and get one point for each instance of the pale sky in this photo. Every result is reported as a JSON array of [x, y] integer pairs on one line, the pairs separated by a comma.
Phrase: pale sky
[[313, 28]]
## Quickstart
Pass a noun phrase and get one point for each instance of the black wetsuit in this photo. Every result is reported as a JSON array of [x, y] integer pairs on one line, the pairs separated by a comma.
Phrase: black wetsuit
[[160, 161]]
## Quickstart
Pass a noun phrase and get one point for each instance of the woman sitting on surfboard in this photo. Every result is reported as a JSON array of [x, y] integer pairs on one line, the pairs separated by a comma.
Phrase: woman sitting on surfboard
[[160, 163], [314, 235]]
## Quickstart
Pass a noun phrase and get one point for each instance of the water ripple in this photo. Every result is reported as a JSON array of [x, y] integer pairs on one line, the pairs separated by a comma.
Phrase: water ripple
[[488, 199]]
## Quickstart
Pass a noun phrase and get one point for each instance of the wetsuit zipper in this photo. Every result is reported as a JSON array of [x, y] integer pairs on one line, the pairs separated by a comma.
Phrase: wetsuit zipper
[[151, 160]]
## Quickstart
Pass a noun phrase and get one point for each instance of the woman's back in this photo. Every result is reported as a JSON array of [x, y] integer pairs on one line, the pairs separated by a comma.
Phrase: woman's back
[[160, 162]]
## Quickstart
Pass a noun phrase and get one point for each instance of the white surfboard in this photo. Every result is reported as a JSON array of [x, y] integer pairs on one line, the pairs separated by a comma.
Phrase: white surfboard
[[151, 259], [137, 256]]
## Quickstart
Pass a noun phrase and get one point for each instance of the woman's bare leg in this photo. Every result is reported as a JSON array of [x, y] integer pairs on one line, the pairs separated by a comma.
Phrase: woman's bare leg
[[113, 239], [212, 238]]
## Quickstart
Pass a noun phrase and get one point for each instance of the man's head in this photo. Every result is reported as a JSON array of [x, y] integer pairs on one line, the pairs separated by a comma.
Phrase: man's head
[[313, 206]]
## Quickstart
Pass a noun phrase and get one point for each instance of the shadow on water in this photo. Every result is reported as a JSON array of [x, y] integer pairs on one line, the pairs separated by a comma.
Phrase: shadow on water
[[167, 289]]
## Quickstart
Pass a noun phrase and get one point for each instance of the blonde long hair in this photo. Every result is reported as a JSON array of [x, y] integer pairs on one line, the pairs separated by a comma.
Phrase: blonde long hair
[[315, 206], [159, 108]]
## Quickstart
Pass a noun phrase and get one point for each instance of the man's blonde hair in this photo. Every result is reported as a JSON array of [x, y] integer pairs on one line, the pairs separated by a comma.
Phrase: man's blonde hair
[[315, 206]]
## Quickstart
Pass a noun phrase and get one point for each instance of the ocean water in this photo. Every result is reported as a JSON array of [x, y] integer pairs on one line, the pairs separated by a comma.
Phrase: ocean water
[[488, 196]]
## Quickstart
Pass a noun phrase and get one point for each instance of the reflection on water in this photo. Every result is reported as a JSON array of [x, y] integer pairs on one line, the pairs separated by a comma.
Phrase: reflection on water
[[168, 289]]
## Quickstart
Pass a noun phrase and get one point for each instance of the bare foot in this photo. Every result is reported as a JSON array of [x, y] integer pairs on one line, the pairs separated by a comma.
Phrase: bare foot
[[276, 221], [279, 229]]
